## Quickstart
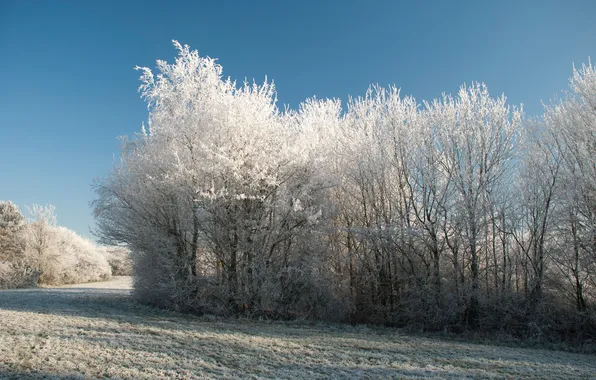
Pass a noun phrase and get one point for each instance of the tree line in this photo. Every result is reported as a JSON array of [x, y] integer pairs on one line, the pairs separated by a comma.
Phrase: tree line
[[457, 213]]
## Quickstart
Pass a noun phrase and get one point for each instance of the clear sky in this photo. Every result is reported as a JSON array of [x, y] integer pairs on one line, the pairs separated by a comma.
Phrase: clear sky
[[68, 89]]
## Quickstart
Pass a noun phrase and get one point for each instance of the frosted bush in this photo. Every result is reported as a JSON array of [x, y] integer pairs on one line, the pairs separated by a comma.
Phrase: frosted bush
[[17, 275], [73, 259], [119, 260]]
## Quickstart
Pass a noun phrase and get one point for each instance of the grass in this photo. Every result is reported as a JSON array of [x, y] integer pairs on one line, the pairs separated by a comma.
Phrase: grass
[[97, 331]]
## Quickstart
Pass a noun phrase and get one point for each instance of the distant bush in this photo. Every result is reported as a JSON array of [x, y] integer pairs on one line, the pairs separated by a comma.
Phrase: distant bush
[[12, 224], [71, 259], [39, 252], [16, 270], [119, 260]]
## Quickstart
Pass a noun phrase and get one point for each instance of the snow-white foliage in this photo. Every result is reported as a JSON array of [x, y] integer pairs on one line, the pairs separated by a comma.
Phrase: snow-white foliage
[[49, 254], [16, 270], [445, 213], [569, 134], [11, 217], [208, 191], [12, 223], [69, 259]]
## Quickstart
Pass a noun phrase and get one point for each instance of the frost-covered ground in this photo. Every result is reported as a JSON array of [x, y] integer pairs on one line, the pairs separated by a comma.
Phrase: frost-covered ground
[[96, 331]]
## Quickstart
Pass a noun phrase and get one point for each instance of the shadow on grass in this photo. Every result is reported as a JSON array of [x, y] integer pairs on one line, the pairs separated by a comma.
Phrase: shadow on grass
[[118, 305], [94, 303]]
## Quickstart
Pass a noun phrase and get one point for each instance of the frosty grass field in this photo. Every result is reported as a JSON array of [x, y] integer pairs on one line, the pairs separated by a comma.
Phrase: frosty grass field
[[96, 331]]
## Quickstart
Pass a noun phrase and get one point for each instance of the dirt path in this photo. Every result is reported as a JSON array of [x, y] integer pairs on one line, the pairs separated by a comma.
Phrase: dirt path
[[97, 331]]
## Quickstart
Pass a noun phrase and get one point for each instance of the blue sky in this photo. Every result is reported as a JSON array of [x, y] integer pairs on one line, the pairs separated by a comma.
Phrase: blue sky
[[68, 89]]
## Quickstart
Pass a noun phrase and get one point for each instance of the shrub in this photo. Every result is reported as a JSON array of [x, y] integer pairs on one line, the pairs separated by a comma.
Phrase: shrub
[[71, 259], [119, 260]]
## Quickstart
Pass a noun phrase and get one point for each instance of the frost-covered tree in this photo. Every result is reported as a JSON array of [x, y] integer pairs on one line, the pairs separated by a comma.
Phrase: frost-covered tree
[[12, 223], [46, 253], [421, 189], [15, 269], [374, 198], [538, 188], [43, 253], [218, 191], [40, 242], [573, 121], [476, 137], [71, 259]]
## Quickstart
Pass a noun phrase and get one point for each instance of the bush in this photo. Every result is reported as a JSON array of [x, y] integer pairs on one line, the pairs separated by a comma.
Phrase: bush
[[39, 252], [71, 259], [119, 260], [18, 275], [12, 223]]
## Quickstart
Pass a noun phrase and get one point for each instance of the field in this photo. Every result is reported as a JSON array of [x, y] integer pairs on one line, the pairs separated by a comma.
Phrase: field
[[96, 331]]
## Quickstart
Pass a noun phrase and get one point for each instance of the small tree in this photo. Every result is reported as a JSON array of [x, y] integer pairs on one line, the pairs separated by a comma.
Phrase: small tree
[[12, 223], [40, 239], [16, 268]]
